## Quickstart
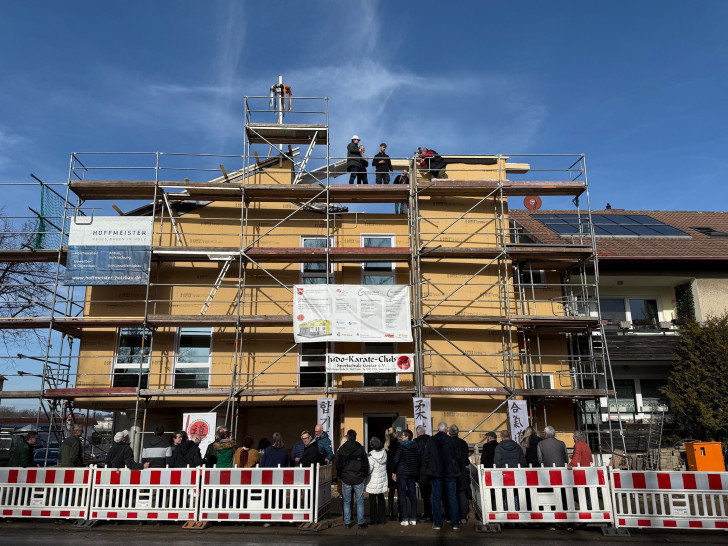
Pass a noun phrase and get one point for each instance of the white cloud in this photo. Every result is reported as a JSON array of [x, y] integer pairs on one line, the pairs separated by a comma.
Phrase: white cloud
[[10, 142]]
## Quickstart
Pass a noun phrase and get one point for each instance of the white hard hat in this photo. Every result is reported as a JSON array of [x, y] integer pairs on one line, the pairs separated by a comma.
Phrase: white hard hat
[[355, 137]]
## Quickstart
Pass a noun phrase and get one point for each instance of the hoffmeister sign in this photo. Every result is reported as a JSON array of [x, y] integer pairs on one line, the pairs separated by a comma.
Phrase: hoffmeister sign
[[361, 363]]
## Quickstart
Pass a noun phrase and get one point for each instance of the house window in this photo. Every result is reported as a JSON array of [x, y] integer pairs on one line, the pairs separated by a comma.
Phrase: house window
[[379, 379], [652, 397], [540, 381], [625, 394], [315, 273], [312, 365], [193, 358], [642, 313], [529, 277], [378, 273], [132, 353]]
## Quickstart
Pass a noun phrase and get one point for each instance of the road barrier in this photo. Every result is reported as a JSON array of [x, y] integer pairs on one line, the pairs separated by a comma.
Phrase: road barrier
[[538, 495], [257, 494], [45, 492], [324, 480], [670, 500], [168, 494]]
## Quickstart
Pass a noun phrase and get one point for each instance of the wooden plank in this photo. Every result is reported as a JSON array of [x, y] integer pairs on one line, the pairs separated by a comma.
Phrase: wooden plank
[[26, 256], [563, 393], [482, 187], [220, 320], [91, 392], [482, 391], [20, 394]]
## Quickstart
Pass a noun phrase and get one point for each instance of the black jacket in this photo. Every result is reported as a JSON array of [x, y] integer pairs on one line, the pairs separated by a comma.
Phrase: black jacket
[[186, 454], [421, 442], [120, 456], [157, 453], [352, 463], [403, 179], [435, 162], [311, 455], [462, 451], [391, 453], [487, 457], [353, 155], [440, 457], [509, 454], [407, 460], [210, 457], [532, 450], [382, 167]]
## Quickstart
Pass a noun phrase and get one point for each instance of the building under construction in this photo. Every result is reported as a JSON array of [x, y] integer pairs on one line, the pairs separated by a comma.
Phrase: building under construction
[[494, 316]]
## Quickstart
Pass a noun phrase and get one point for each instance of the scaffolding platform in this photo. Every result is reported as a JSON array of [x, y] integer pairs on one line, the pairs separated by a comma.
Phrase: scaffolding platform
[[287, 133]]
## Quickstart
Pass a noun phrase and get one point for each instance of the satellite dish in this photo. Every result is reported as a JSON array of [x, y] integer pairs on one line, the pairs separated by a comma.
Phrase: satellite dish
[[532, 202]]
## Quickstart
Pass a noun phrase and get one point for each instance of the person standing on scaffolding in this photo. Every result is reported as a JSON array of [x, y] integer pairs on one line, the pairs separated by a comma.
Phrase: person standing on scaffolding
[[382, 165], [353, 158], [361, 176]]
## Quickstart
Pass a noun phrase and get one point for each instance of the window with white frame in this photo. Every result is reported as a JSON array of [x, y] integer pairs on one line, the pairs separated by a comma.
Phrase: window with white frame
[[132, 353], [380, 379], [193, 358], [540, 381], [378, 273], [312, 365], [315, 273], [643, 313]]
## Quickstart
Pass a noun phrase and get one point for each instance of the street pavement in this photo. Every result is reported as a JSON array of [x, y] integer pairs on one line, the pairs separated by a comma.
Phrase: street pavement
[[47, 532]]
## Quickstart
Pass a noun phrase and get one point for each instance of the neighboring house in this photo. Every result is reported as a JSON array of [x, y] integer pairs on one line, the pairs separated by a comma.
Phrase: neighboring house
[[657, 269]]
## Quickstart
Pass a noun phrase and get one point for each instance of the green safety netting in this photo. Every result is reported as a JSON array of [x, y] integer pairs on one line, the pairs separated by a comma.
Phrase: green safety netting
[[52, 229]]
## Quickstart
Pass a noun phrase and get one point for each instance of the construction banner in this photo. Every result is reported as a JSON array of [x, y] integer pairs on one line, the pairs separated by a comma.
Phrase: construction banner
[[365, 363], [351, 312], [108, 251]]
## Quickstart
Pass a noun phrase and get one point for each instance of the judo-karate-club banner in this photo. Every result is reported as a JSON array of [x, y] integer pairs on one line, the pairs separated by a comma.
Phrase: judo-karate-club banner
[[351, 312], [518, 418], [325, 415], [366, 363], [109, 251], [203, 424], [423, 414]]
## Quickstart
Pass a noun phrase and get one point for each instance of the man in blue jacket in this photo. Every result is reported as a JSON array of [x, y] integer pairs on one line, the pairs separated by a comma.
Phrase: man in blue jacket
[[323, 442]]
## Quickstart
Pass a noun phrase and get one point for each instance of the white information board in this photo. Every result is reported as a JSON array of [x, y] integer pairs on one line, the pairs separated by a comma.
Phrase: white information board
[[351, 312], [203, 424]]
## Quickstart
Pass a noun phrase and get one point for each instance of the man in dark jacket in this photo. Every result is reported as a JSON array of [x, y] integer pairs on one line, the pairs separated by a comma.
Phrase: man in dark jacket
[[352, 467], [443, 471], [406, 466], [488, 454], [158, 451], [509, 454], [462, 450], [22, 455], [353, 158], [121, 455], [382, 165], [424, 483], [297, 453], [186, 452], [432, 162], [71, 448], [402, 207], [311, 454]]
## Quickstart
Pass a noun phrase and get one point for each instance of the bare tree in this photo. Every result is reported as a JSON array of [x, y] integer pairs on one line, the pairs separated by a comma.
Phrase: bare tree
[[25, 286]]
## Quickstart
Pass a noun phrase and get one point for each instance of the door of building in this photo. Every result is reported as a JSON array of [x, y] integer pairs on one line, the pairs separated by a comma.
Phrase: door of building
[[374, 426]]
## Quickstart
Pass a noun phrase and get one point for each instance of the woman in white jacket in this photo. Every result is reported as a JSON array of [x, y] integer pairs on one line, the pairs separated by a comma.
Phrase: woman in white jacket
[[377, 482]]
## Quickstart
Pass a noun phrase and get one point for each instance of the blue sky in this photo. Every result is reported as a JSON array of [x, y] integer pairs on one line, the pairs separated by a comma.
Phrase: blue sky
[[640, 87]]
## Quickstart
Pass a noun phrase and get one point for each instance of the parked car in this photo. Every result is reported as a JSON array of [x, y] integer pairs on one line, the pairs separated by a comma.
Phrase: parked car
[[39, 457]]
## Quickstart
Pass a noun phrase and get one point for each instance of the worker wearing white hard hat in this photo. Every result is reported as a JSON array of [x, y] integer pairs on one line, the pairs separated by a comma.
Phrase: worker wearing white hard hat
[[353, 158]]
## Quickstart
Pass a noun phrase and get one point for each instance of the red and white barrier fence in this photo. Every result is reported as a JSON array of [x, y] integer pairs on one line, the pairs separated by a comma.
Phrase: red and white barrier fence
[[537, 495], [670, 500], [45, 492], [257, 494], [168, 494]]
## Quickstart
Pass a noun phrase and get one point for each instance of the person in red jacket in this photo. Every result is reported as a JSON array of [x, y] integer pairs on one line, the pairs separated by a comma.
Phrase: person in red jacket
[[582, 455]]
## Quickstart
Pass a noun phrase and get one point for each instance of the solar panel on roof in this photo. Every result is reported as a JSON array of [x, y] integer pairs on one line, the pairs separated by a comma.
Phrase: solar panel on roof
[[634, 225]]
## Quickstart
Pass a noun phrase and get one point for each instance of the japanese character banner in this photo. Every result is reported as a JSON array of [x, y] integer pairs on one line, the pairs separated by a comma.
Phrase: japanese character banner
[[423, 414], [351, 312], [203, 424], [518, 418], [325, 418]]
